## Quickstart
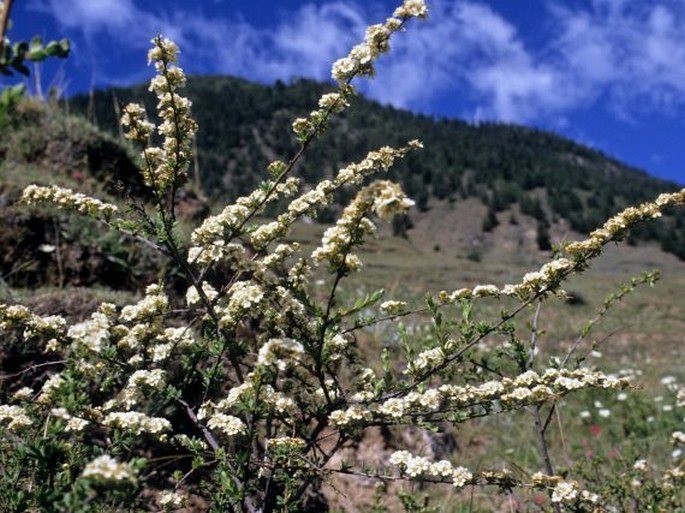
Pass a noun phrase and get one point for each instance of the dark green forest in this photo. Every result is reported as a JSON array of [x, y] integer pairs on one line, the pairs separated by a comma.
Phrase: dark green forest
[[244, 125]]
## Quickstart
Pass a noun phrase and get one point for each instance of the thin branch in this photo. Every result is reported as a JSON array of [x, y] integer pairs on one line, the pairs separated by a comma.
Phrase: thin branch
[[4, 20]]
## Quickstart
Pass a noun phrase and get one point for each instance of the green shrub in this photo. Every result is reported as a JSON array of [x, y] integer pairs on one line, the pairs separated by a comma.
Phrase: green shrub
[[246, 397]]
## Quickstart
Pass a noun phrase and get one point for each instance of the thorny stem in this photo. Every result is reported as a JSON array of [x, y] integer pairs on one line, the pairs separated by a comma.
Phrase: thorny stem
[[539, 427], [544, 448]]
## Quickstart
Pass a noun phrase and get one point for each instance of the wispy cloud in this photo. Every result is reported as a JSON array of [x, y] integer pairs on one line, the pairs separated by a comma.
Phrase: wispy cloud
[[631, 53], [634, 52]]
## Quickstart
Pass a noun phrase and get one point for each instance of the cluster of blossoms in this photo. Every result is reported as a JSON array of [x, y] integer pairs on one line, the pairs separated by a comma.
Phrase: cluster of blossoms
[[280, 352], [285, 444], [68, 200], [304, 128], [562, 492], [547, 279], [72, 423], [241, 297], [165, 166], [389, 200], [211, 240], [140, 382], [360, 60], [248, 393], [381, 197], [193, 295], [16, 415], [170, 499], [137, 423], [393, 307], [506, 394], [94, 333], [417, 466], [105, 468], [566, 492], [51, 327], [50, 388], [616, 227], [227, 424], [153, 304]]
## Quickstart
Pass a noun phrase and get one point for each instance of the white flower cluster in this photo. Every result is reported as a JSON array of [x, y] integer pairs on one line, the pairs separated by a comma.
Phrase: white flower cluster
[[242, 296], [546, 279], [335, 346], [147, 378], [389, 200], [193, 295], [137, 423], [384, 198], [164, 166], [305, 204], [355, 414], [136, 387], [69, 200], [285, 443], [248, 393], [280, 352], [227, 424], [570, 494], [528, 388], [428, 359], [280, 253], [375, 161], [617, 226], [51, 385], [106, 468], [23, 394], [213, 234], [134, 118], [73, 423], [170, 499], [412, 8], [565, 492], [674, 478], [678, 437], [92, 334], [52, 327], [361, 58], [16, 415], [393, 307], [417, 466], [155, 303]]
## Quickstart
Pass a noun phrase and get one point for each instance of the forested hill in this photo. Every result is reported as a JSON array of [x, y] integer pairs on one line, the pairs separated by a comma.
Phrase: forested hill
[[244, 125]]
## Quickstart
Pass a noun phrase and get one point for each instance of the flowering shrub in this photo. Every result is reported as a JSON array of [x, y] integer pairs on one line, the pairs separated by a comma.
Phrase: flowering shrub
[[244, 396]]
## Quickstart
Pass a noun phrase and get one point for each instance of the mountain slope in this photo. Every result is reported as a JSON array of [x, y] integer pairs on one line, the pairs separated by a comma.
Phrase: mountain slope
[[244, 125]]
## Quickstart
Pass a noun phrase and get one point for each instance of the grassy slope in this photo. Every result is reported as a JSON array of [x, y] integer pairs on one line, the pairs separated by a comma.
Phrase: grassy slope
[[647, 327]]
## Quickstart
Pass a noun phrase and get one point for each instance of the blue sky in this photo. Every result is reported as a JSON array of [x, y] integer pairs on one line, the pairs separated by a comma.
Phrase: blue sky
[[607, 73]]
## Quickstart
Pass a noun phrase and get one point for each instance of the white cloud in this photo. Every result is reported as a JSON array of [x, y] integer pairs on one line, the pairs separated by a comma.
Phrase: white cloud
[[631, 53]]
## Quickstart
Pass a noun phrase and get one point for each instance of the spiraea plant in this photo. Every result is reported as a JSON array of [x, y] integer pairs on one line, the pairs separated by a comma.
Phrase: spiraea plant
[[240, 398]]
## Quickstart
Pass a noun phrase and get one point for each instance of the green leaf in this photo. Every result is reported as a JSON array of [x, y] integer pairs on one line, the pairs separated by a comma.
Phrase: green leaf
[[36, 53], [58, 49], [364, 302]]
